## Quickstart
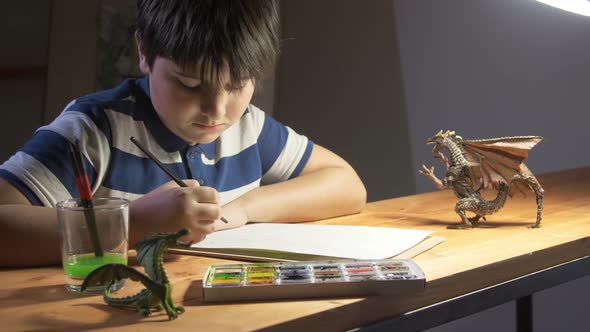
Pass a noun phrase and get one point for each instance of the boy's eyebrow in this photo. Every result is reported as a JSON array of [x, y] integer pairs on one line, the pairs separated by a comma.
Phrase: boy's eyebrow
[[194, 76]]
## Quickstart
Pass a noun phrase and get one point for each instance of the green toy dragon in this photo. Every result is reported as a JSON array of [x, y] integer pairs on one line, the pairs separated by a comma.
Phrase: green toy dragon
[[478, 164], [158, 292]]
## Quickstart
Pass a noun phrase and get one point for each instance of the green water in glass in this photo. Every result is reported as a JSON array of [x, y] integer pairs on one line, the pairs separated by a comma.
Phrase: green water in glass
[[80, 266]]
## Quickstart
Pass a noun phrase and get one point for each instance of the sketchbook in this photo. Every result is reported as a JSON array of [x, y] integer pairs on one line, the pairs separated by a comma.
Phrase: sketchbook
[[304, 242]]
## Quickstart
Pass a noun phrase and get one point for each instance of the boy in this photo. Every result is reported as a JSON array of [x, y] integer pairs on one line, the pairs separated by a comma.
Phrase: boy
[[202, 60]]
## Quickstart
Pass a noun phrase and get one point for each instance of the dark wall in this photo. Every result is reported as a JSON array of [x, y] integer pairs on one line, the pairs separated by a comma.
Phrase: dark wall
[[339, 82], [23, 61]]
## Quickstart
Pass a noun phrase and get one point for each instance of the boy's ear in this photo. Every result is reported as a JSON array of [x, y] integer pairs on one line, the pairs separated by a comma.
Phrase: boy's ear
[[143, 64], [255, 85]]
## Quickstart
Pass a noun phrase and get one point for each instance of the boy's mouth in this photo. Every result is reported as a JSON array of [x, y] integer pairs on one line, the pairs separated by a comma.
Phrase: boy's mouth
[[208, 126]]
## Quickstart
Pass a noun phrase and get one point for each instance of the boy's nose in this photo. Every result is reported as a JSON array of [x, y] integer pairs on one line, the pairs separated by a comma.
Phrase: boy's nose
[[214, 103]]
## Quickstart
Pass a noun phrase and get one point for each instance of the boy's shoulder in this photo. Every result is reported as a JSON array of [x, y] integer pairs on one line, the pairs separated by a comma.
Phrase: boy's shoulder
[[254, 112], [252, 120], [122, 94]]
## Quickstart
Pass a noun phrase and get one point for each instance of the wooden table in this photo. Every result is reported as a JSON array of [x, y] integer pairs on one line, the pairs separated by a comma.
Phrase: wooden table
[[499, 261]]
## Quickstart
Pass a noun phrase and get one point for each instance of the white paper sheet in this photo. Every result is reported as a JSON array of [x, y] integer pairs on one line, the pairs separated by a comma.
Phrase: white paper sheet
[[357, 242]]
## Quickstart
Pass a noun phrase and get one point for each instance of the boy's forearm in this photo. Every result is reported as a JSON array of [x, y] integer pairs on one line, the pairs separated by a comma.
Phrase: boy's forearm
[[139, 223], [145, 218], [29, 236], [325, 193]]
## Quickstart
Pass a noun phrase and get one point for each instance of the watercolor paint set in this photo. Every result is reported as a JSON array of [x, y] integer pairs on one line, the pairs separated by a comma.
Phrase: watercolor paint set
[[329, 278]]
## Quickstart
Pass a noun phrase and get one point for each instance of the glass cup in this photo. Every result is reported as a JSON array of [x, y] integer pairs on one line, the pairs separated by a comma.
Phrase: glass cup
[[79, 249]]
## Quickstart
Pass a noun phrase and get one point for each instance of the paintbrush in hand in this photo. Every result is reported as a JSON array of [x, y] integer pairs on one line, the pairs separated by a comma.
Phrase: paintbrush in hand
[[166, 170]]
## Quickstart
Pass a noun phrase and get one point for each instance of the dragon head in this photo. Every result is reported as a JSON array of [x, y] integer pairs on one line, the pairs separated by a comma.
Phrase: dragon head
[[173, 238], [170, 238], [439, 138], [179, 234]]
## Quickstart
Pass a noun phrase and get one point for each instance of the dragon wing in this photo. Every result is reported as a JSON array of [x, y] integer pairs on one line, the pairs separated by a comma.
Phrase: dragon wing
[[497, 160], [148, 255], [151, 249], [116, 272]]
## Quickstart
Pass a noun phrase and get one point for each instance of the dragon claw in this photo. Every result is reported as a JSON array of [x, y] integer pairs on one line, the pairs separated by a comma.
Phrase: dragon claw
[[475, 219], [173, 314], [425, 170]]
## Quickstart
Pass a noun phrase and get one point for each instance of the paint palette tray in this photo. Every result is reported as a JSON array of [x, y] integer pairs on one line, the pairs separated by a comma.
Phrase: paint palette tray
[[329, 278]]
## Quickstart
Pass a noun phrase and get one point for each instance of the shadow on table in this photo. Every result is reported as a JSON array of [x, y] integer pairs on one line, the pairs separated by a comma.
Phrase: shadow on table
[[194, 293], [32, 295], [117, 317], [491, 222]]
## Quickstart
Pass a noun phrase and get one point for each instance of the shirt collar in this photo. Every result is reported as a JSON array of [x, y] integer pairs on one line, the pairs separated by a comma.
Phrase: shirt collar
[[208, 150], [165, 138]]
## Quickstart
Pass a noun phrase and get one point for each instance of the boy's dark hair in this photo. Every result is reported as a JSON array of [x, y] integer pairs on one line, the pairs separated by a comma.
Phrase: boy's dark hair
[[241, 36]]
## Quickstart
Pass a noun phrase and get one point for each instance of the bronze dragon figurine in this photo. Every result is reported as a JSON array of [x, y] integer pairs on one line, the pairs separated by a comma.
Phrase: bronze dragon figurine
[[475, 165]]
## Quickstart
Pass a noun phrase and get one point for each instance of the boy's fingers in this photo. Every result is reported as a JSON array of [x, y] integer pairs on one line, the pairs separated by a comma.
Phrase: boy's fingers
[[191, 183], [196, 237], [208, 211], [205, 222], [173, 185], [204, 227], [207, 195]]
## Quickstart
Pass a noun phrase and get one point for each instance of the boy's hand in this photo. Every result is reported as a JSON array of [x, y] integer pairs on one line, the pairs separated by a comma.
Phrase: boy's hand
[[170, 207], [236, 214]]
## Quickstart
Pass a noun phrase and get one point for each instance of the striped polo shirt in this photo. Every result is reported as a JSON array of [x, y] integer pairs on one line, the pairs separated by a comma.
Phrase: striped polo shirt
[[255, 151]]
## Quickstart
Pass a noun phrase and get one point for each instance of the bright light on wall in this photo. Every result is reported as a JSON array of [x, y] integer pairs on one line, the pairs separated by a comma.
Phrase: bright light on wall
[[581, 7]]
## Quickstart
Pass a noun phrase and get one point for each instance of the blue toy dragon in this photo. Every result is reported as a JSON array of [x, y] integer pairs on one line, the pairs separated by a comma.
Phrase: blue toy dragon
[[158, 292]]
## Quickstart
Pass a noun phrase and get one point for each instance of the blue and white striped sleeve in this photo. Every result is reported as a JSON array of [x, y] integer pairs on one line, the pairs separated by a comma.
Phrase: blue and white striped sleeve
[[42, 169], [283, 152]]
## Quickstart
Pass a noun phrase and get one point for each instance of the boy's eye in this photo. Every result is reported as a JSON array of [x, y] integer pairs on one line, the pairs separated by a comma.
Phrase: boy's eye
[[235, 89], [189, 85]]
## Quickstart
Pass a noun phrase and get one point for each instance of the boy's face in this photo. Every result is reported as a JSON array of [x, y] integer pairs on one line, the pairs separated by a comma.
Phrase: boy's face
[[193, 113]]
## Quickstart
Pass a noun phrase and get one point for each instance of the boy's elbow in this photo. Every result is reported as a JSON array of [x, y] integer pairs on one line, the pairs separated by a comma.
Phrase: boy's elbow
[[357, 197], [361, 198]]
